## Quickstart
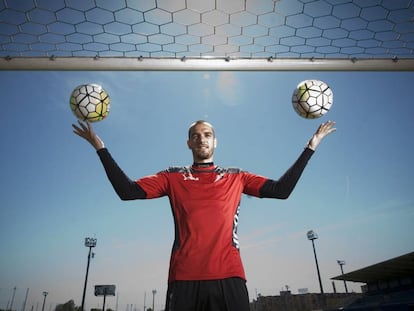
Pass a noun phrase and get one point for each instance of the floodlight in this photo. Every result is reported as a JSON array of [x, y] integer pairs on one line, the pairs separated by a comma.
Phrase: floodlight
[[312, 235]]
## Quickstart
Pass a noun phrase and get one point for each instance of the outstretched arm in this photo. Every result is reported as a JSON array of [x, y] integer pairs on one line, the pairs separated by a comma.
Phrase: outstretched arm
[[126, 188], [283, 187]]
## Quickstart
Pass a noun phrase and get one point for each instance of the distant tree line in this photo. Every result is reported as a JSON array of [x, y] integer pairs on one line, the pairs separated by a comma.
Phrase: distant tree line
[[70, 306]]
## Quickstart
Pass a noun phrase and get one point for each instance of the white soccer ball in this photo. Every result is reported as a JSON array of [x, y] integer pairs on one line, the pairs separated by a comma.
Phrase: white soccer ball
[[89, 102], [311, 99]]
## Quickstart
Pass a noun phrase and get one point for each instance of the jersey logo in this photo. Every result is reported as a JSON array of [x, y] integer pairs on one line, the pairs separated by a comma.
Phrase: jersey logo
[[218, 177], [189, 176]]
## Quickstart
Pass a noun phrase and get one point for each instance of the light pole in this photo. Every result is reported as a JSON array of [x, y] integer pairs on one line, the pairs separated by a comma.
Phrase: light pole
[[89, 242], [12, 299], [313, 236], [44, 300], [342, 263], [25, 299], [154, 291]]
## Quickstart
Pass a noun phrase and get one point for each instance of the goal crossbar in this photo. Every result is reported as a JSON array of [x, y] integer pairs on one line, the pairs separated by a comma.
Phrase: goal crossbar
[[202, 64]]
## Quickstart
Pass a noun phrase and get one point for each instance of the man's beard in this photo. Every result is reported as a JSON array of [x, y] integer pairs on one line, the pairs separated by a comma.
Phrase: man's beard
[[203, 154]]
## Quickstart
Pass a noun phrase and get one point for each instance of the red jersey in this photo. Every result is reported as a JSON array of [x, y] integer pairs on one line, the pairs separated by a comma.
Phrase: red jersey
[[205, 204]]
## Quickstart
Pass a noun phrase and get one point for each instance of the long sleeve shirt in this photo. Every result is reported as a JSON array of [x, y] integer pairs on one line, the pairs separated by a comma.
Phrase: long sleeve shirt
[[205, 201]]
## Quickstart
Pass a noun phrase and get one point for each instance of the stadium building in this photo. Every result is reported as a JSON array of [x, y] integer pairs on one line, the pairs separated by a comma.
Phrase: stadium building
[[388, 286]]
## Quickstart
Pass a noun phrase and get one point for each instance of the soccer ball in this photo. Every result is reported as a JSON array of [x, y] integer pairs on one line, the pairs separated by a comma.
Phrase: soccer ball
[[312, 99], [90, 102]]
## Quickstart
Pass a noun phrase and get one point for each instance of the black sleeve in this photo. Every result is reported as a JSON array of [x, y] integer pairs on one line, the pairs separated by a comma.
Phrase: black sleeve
[[126, 188], [282, 188]]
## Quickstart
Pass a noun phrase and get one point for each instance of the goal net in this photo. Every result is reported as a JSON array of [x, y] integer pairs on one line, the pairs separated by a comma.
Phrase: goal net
[[207, 35]]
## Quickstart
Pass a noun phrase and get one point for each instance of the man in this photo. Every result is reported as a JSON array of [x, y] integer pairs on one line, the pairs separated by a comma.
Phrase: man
[[206, 272]]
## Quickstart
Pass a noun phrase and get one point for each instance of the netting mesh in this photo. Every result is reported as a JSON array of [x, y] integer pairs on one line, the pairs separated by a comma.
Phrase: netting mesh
[[250, 29]]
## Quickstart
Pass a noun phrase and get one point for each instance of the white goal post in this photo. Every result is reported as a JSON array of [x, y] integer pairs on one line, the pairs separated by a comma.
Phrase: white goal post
[[203, 64]]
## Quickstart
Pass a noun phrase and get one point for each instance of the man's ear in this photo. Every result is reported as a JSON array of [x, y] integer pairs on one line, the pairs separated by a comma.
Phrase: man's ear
[[188, 144], [215, 142]]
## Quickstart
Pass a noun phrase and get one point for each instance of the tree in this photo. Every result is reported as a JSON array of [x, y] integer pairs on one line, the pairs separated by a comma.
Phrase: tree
[[68, 306]]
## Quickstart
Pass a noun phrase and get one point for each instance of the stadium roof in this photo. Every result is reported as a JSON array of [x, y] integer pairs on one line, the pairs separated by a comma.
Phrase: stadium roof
[[398, 267], [207, 34]]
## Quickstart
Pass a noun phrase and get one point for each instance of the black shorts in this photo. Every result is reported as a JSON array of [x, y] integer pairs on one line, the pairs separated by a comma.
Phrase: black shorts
[[212, 295]]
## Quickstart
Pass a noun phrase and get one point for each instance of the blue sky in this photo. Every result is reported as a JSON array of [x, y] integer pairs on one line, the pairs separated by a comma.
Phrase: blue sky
[[356, 191]]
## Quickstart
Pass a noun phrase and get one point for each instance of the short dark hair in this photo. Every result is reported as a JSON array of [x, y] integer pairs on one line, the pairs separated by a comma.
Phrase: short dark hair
[[200, 122]]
